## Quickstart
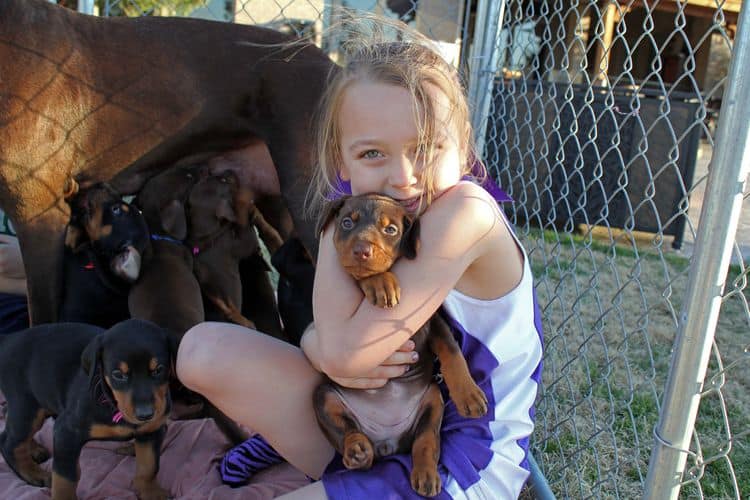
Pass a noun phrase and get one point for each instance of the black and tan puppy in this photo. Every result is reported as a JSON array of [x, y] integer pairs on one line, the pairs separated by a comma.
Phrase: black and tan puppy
[[98, 384], [104, 246], [371, 233]]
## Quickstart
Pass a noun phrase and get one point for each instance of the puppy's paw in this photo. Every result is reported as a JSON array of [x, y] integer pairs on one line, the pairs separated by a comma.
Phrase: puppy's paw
[[381, 289], [425, 480], [358, 451], [471, 401]]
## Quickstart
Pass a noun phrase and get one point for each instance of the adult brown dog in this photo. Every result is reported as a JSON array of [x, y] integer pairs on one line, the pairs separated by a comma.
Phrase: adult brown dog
[[371, 232], [86, 99]]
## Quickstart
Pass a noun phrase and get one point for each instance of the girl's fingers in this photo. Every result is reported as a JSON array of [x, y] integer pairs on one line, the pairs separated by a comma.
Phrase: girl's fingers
[[360, 382], [407, 346], [401, 358]]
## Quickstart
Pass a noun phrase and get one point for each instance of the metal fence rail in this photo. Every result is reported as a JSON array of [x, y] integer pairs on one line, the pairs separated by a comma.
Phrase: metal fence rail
[[599, 117]]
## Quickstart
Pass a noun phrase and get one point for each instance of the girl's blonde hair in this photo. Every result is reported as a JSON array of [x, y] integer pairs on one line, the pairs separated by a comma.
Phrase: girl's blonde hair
[[412, 63]]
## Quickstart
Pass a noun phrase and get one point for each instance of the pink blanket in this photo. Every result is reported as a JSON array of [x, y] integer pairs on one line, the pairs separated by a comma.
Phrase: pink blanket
[[190, 456]]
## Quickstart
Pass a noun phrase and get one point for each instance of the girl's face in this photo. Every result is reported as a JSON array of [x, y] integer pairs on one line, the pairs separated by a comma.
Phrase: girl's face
[[379, 141]]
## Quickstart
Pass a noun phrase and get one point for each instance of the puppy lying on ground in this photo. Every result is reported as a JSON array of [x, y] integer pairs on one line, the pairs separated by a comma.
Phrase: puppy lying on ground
[[105, 242], [99, 385], [371, 232]]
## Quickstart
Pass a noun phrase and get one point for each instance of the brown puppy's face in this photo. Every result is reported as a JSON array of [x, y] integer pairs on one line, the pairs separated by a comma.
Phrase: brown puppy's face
[[370, 233], [211, 204]]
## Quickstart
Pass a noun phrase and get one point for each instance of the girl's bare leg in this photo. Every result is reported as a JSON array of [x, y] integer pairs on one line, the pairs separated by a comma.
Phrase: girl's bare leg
[[262, 383]]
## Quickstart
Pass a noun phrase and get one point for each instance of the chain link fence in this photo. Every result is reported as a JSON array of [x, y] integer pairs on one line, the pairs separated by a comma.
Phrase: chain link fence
[[599, 118]]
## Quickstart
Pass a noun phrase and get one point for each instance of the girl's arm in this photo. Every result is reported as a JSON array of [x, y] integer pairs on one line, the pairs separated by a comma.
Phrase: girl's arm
[[352, 336]]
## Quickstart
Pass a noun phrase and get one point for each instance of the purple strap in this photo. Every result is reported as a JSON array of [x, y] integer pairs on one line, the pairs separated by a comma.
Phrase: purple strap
[[246, 459]]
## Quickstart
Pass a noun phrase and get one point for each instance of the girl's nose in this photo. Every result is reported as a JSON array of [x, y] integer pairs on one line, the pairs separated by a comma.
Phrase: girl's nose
[[403, 172]]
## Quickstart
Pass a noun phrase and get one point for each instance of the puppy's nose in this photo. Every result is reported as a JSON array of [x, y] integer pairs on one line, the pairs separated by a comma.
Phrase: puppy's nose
[[362, 250], [144, 412]]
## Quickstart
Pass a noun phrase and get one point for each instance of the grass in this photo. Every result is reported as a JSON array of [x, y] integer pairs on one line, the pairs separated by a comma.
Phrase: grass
[[611, 304]]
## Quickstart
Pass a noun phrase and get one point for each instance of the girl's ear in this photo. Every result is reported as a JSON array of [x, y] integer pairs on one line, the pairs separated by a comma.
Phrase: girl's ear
[[344, 173]]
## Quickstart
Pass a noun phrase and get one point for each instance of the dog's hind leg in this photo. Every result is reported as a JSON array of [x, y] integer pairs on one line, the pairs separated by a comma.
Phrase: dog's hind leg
[[425, 452], [24, 419], [68, 441], [342, 428]]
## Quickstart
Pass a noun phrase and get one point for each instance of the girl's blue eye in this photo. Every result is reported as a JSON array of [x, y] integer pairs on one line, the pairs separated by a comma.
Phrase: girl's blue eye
[[370, 154]]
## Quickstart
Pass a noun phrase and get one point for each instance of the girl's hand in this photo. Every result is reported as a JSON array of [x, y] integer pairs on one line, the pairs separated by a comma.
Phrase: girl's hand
[[395, 365]]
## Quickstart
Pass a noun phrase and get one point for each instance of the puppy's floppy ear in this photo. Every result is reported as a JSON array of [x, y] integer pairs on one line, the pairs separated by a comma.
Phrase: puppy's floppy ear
[[330, 211], [173, 219], [91, 358], [409, 245], [173, 343]]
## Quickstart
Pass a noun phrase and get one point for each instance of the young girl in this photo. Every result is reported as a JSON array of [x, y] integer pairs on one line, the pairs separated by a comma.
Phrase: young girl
[[395, 121]]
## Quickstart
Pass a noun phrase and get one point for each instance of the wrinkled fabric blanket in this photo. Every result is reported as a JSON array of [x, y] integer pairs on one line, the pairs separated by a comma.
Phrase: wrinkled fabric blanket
[[190, 456]]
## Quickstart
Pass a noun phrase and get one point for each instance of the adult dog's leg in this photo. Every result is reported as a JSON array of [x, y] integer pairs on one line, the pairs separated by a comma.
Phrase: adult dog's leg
[[41, 239]]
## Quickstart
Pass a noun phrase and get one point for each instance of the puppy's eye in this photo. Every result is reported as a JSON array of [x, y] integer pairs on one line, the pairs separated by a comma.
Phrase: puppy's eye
[[119, 376], [158, 371], [391, 229], [347, 223], [116, 209], [189, 176]]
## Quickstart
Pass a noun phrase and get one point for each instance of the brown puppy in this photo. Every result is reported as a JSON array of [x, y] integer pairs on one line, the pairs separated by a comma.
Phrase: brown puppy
[[372, 231], [167, 292], [87, 99], [219, 241]]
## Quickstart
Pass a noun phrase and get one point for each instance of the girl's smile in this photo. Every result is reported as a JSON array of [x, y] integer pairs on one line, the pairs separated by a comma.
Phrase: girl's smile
[[380, 148]]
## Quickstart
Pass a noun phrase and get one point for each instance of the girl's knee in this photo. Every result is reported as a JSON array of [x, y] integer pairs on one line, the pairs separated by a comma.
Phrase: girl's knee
[[194, 357]]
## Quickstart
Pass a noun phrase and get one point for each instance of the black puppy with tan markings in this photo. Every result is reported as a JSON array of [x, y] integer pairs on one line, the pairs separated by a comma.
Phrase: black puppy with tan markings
[[372, 231], [99, 385]]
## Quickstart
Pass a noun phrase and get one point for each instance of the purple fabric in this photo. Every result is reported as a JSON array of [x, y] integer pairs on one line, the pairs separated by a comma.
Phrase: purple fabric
[[244, 460]]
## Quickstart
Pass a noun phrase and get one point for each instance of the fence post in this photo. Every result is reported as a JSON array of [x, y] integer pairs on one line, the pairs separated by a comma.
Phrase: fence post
[[483, 64], [708, 271]]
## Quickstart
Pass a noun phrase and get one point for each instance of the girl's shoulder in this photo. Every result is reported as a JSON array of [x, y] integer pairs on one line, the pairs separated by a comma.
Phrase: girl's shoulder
[[469, 202]]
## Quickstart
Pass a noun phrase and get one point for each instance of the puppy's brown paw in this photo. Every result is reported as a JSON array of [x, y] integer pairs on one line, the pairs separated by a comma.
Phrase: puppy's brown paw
[[127, 450], [426, 481], [358, 451], [381, 289], [470, 400]]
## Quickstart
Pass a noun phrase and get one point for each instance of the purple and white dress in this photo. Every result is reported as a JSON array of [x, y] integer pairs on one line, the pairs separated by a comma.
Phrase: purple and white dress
[[483, 458]]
